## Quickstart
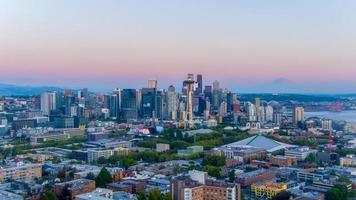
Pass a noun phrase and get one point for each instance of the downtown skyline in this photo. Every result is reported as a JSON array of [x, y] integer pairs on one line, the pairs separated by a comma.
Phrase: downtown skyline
[[247, 46]]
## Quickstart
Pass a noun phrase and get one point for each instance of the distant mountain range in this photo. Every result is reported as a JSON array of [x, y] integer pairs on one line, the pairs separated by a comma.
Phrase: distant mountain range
[[16, 90]]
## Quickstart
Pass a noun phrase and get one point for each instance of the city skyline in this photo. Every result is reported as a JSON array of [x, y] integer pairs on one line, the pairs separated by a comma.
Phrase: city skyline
[[248, 46]]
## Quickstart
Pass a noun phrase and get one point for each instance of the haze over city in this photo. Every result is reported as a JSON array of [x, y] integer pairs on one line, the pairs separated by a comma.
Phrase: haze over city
[[293, 46]]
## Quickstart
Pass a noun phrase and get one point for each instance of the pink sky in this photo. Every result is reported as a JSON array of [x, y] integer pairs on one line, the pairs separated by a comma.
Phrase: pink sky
[[65, 43]]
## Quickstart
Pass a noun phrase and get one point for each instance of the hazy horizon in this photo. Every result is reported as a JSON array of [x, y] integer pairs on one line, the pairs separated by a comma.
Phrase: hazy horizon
[[246, 45]]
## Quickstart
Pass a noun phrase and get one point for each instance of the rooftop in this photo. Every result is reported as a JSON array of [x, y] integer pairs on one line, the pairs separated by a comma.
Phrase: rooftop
[[259, 141]]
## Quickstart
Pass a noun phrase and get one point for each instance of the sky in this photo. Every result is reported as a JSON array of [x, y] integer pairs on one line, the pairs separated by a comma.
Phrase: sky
[[246, 44]]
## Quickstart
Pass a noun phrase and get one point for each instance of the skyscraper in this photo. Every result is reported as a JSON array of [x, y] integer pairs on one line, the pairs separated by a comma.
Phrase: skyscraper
[[257, 102], [269, 113], [114, 105], [152, 83], [128, 105], [48, 102], [298, 115], [148, 102], [172, 103], [200, 84]]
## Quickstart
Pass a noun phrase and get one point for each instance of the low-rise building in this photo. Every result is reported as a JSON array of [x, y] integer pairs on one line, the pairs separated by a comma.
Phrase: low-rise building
[[190, 150], [348, 161], [160, 147], [197, 187], [21, 172], [267, 190], [69, 190], [283, 161], [250, 178], [95, 154], [301, 153], [243, 153], [98, 194]]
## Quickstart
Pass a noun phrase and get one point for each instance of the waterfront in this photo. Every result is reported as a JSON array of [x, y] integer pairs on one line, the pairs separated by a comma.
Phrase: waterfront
[[349, 115]]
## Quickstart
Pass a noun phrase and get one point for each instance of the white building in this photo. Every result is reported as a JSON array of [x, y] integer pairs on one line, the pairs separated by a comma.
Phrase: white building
[[48, 102], [300, 153], [327, 124], [269, 113], [94, 155]]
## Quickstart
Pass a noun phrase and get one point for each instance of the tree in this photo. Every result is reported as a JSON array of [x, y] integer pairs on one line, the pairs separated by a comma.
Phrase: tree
[[212, 171], [51, 196], [154, 194], [214, 160], [310, 158], [103, 178], [232, 176], [141, 196], [284, 195], [90, 176], [338, 192]]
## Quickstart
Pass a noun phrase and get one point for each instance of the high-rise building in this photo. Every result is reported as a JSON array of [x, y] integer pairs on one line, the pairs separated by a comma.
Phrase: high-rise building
[[114, 105], [251, 111], [200, 84], [48, 102], [208, 93], [85, 93], [327, 124], [223, 108], [172, 103], [269, 113], [216, 85], [257, 102], [229, 101], [298, 115], [128, 104], [148, 102], [152, 83], [260, 111], [277, 118], [159, 105]]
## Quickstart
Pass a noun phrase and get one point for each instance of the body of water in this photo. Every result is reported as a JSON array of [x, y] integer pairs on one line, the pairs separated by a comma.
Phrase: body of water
[[349, 115]]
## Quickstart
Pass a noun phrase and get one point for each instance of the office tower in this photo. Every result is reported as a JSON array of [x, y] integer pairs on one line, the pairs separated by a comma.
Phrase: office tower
[[229, 101], [128, 105], [269, 113], [251, 110], [208, 93], [257, 102], [172, 102], [326, 124], [201, 105], [158, 109], [138, 100], [277, 118], [85, 93], [189, 82], [106, 101], [200, 84], [68, 102], [48, 102], [298, 115], [260, 112], [68, 93], [223, 108], [152, 83], [148, 102], [216, 85], [216, 95], [113, 105]]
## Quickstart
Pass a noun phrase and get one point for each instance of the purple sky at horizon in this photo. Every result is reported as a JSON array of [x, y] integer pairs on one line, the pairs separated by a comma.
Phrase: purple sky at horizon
[[123, 43]]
